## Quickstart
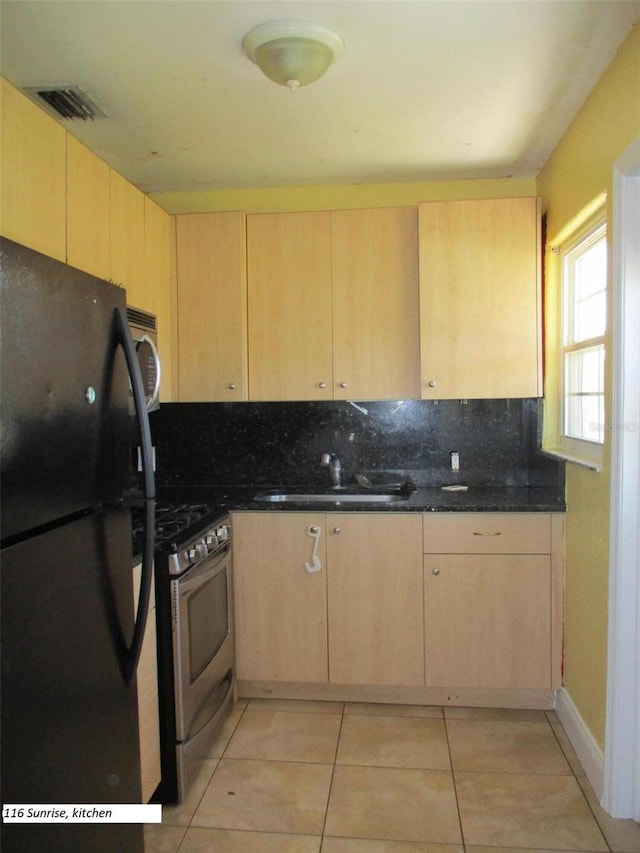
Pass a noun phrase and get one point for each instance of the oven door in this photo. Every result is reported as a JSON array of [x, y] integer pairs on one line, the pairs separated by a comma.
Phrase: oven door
[[203, 643]]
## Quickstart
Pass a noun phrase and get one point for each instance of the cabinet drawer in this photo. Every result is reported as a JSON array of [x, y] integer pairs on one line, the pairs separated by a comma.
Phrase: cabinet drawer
[[487, 533]]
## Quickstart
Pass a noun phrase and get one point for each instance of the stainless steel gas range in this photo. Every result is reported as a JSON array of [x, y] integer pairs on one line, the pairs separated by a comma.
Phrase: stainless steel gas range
[[194, 611]]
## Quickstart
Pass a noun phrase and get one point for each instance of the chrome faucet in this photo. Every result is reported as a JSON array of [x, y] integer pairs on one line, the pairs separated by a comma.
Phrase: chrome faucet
[[335, 468]]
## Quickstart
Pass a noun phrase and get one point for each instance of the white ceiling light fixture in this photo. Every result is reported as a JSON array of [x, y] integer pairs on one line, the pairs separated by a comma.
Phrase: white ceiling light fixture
[[292, 53]]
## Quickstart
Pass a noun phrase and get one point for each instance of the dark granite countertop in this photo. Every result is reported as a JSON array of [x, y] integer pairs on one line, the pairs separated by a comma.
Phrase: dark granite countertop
[[425, 499]]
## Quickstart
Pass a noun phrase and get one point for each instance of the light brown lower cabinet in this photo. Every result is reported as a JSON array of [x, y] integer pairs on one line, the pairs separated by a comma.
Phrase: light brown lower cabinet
[[434, 608], [374, 577], [355, 619], [148, 707], [492, 600], [280, 608]]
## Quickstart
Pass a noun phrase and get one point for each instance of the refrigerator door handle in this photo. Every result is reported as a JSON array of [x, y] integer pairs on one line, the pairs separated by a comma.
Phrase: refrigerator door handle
[[126, 341]]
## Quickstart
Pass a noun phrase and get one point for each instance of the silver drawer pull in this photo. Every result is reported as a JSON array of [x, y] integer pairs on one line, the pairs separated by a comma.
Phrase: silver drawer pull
[[487, 534]]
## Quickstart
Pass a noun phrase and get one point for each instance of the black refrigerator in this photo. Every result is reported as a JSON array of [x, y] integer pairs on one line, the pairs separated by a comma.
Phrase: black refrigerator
[[70, 639]]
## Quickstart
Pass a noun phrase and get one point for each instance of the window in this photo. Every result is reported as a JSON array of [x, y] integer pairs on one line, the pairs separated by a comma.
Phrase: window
[[584, 291]]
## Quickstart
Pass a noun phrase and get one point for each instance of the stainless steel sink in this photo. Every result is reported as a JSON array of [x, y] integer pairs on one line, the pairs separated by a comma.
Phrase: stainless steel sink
[[337, 497]]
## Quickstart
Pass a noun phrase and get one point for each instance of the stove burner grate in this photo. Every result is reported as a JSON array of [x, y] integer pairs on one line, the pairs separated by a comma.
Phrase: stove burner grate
[[171, 520]]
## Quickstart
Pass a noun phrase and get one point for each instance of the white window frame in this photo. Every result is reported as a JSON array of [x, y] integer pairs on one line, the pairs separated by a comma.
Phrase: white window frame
[[590, 449], [579, 450]]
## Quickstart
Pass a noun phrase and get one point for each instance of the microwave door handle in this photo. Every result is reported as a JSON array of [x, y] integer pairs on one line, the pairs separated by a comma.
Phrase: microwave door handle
[[139, 399], [145, 339], [125, 340]]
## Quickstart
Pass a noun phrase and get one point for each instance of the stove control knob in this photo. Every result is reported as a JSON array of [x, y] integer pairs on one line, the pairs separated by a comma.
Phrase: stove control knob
[[223, 533], [211, 539], [197, 551]]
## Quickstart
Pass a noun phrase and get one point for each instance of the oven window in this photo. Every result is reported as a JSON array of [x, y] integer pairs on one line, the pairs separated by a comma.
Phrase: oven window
[[208, 622]]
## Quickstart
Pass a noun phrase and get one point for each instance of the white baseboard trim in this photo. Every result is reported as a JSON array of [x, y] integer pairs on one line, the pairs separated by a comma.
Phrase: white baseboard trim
[[589, 753]]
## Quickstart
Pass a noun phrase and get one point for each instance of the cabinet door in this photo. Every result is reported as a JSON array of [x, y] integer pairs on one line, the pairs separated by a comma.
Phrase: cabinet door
[[487, 621], [290, 325], [155, 292], [88, 210], [376, 326], [33, 175], [148, 706], [212, 304], [280, 608], [127, 236], [480, 298], [375, 599]]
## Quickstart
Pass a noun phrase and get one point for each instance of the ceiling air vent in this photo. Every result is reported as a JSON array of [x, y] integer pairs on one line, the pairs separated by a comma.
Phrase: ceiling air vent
[[67, 102]]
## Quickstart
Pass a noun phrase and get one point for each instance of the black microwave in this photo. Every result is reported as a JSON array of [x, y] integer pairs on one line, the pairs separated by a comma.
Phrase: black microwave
[[144, 331]]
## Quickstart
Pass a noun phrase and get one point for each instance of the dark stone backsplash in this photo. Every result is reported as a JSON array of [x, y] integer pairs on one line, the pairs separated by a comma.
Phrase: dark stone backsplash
[[280, 444]]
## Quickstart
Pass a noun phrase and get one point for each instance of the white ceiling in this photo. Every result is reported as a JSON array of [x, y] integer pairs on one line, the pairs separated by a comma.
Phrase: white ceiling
[[424, 90]]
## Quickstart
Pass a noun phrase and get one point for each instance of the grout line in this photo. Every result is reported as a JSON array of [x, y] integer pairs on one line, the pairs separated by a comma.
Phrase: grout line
[[453, 777], [333, 771]]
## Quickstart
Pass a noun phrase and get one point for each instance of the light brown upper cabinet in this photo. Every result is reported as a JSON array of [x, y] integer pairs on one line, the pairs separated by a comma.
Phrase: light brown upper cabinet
[[33, 175], [376, 348], [212, 306], [480, 298], [333, 305], [127, 234], [88, 210], [290, 314]]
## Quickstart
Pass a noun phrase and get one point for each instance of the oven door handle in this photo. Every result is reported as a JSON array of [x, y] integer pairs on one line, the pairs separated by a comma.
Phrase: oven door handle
[[126, 342]]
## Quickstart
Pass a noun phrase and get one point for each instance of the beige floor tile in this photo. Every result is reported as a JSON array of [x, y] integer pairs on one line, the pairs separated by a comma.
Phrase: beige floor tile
[[393, 804], [364, 845], [623, 836], [522, 810], [162, 839], [523, 715], [302, 705], [505, 746], [389, 710], [266, 796], [223, 736], [181, 814], [234, 841], [394, 742], [285, 736]]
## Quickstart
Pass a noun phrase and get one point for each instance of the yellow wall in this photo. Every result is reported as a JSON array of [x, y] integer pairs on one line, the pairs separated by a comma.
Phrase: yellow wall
[[282, 199], [579, 169]]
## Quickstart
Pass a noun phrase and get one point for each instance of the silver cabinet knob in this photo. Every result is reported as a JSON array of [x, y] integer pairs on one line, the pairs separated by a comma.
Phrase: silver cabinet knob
[[90, 395], [322, 384], [232, 386], [432, 383], [343, 384], [313, 529], [337, 530], [435, 572]]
